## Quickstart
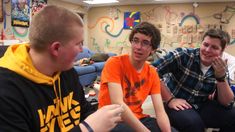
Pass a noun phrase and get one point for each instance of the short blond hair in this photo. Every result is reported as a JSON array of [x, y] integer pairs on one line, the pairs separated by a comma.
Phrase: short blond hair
[[52, 23]]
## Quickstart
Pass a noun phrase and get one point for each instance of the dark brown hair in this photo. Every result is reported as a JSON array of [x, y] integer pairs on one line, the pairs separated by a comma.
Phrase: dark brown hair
[[149, 30], [223, 36]]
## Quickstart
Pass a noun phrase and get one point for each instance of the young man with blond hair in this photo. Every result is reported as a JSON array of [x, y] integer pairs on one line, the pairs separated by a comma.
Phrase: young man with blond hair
[[40, 89]]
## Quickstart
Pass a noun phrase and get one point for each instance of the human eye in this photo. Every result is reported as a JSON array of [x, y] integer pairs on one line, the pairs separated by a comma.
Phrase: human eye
[[80, 44], [135, 40], [146, 43], [205, 44], [215, 47]]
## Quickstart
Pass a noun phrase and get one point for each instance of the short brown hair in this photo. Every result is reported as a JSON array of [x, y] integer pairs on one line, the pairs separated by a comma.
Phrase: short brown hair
[[223, 36], [52, 23], [149, 30]]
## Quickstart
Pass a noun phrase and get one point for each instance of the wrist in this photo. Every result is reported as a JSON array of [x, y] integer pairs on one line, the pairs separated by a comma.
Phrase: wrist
[[221, 79], [83, 128], [168, 102], [87, 126]]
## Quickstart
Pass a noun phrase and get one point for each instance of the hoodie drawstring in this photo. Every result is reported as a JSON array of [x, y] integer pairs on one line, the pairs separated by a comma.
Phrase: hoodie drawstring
[[58, 102]]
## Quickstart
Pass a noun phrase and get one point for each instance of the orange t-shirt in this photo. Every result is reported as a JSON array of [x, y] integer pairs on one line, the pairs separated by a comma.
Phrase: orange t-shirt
[[135, 86]]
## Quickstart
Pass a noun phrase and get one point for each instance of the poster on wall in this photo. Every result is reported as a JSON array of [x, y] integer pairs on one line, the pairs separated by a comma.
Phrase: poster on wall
[[37, 5], [20, 13], [131, 19]]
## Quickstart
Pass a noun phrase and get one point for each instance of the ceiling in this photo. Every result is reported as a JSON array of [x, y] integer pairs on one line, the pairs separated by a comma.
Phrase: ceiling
[[138, 2]]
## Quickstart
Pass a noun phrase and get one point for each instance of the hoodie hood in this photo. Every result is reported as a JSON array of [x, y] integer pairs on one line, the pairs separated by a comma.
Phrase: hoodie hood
[[17, 59]]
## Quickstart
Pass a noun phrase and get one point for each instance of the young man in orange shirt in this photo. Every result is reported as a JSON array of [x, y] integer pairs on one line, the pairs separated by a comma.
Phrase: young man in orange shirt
[[128, 80]]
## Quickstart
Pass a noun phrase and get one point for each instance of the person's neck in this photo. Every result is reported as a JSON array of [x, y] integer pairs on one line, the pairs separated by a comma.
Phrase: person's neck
[[42, 63], [137, 65], [205, 66]]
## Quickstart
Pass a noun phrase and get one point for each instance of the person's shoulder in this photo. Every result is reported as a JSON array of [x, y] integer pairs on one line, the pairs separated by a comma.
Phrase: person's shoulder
[[182, 49], [117, 59], [123, 56], [150, 68], [69, 72], [3, 70], [6, 73], [188, 51], [9, 79]]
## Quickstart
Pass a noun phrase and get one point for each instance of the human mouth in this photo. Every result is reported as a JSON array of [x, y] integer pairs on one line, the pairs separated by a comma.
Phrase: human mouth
[[138, 54], [206, 55]]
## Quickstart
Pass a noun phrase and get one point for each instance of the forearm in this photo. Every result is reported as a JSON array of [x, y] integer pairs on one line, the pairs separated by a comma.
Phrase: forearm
[[165, 92], [225, 94], [129, 118], [163, 122], [161, 116]]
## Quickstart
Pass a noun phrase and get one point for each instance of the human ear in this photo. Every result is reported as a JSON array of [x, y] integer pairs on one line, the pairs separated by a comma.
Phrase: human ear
[[54, 48]]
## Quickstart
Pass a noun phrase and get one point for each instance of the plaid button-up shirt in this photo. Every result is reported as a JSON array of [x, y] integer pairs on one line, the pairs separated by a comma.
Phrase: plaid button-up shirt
[[184, 76]]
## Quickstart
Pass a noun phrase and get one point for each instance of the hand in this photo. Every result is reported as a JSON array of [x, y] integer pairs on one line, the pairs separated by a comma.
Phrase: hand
[[219, 66], [105, 118], [179, 104], [211, 96]]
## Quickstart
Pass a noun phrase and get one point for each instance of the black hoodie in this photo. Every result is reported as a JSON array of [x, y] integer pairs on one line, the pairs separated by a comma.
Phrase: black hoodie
[[31, 101]]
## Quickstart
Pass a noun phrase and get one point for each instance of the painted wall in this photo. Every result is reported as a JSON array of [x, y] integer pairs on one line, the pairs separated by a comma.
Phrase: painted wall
[[231, 49], [8, 32], [181, 25]]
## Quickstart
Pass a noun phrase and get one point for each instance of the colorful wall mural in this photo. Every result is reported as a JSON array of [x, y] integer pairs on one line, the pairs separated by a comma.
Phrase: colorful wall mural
[[21, 11], [18, 31], [37, 5], [181, 25]]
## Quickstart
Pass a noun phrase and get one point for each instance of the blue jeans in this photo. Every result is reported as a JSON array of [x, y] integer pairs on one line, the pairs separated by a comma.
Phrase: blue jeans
[[149, 122], [209, 115]]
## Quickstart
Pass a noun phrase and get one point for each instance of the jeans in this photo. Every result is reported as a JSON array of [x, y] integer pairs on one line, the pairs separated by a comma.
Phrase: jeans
[[209, 115], [149, 122]]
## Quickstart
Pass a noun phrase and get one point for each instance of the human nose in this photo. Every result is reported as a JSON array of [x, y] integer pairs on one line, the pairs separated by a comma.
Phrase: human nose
[[80, 49], [207, 49], [138, 44]]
